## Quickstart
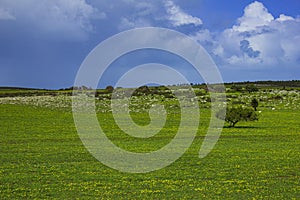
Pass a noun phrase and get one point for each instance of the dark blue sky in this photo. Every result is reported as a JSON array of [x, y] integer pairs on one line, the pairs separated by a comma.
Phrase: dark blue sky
[[44, 42]]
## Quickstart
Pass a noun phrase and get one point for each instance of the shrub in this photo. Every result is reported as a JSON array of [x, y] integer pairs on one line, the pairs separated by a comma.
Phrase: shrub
[[254, 103], [109, 89], [235, 114], [141, 91], [162, 90], [236, 88], [251, 88]]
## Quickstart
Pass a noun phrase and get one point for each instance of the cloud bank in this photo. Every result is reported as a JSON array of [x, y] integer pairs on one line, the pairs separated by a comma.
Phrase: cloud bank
[[257, 40], [66, 17]]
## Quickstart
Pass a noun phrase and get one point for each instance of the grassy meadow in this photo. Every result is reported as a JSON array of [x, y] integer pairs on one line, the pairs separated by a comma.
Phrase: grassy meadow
[[41, 155]]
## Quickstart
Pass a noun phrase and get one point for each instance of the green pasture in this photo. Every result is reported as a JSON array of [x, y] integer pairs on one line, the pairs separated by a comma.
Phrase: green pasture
[[41, 155]]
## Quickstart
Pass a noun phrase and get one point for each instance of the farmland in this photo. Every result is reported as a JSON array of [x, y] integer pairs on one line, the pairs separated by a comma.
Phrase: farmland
[[42, 156]]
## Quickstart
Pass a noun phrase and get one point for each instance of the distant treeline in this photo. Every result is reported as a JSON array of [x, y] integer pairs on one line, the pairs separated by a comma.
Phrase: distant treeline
[[24, 92], [17, 88], [292, 83], [19, 91]]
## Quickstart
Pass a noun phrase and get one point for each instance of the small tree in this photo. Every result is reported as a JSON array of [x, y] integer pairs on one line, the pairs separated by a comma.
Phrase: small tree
[[143, 90], [109, 89], [236, 88], [251, 88], [254, 103], [235, 114]]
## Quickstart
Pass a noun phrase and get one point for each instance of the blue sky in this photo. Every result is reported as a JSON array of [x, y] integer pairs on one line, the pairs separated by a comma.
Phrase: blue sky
[[43, 42]]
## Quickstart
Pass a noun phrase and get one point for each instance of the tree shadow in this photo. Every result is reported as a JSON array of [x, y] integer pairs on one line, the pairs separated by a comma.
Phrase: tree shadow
[[242, 127]]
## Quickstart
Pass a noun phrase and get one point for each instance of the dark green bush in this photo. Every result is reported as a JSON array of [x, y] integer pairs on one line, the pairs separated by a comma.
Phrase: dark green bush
[[235, 114], [254, 103]]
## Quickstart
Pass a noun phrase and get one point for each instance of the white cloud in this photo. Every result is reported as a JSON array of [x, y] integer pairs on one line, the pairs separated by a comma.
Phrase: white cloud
[[259, 40], [6, 15], [136, 14], [142, 13], [179, 17], [72, 17], [203, 36], [136, 23], [283, 17], [255, 15]]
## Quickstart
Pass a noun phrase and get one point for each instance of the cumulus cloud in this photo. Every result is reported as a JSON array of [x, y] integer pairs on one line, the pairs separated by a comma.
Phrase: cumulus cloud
[[255, 15], [179, 17], [258, 38], [245, 47], [283, 18], [72, 17]]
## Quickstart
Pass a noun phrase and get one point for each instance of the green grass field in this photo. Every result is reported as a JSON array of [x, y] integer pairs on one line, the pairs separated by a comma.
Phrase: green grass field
[[41, 155]]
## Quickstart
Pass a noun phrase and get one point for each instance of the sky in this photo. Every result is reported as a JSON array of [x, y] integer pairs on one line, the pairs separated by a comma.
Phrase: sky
[[44, 42]]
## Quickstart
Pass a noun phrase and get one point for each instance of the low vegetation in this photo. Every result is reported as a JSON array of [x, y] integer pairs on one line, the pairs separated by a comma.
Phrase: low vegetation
[[236, 114], [41, 155]]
